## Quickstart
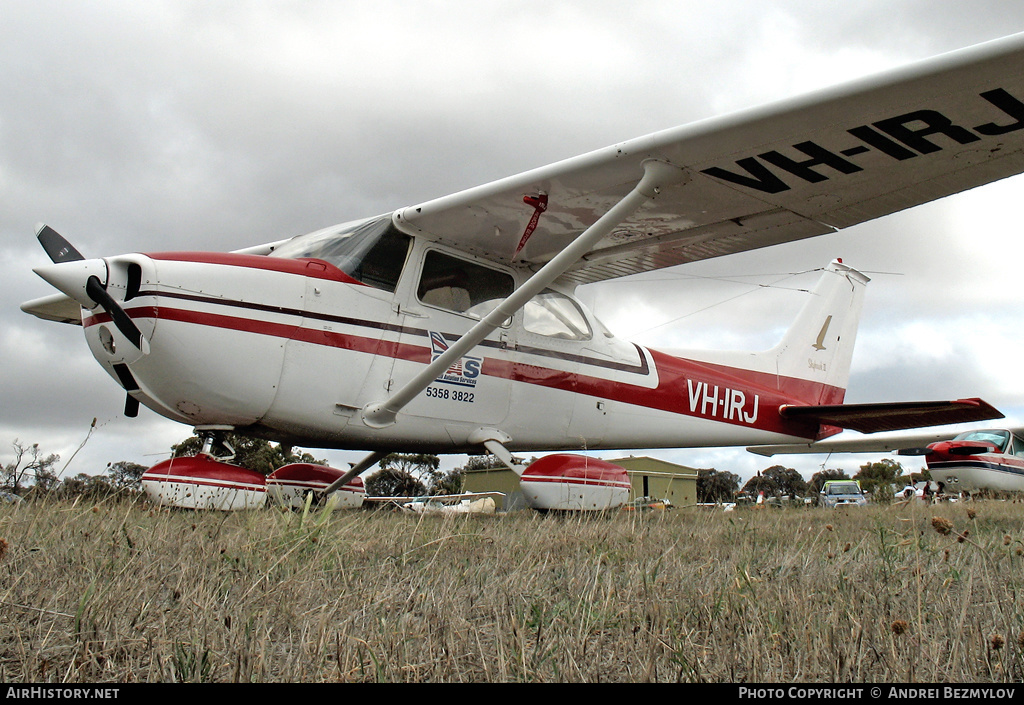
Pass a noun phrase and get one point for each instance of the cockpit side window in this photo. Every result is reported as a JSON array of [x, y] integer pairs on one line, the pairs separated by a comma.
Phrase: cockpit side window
[[1018, 447], [462, 286], [382, 264], [372, 252]]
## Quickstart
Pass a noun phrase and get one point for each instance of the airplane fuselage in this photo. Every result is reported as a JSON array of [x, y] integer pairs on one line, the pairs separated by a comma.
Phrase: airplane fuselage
[[451, 324], [293, 349], [982, 459]]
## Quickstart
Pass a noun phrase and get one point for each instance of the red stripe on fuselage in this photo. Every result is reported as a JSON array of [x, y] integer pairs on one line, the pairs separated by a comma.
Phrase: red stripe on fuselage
[[575, 480], [374, 346], [306, 266], [675, 375]]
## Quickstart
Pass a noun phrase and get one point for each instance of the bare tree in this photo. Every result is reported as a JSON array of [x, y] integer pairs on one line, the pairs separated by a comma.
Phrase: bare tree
[[28, 465]]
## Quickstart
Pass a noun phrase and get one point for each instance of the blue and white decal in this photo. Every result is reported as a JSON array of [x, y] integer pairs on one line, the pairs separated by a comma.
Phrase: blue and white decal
[[463, 373]]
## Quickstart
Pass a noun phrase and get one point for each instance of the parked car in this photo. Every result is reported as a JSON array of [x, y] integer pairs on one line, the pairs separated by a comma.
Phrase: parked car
[[838, 493]]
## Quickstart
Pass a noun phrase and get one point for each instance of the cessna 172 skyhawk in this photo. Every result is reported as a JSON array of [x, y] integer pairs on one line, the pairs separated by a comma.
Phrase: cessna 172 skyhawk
[[966, 461], [451, 326]]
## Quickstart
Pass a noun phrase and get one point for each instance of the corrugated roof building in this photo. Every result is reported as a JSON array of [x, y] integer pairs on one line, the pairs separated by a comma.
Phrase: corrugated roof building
[[660, 479], [649, 477]]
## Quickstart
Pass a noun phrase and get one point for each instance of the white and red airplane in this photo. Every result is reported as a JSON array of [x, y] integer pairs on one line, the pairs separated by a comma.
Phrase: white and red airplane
[[963, 461], [452, 326]]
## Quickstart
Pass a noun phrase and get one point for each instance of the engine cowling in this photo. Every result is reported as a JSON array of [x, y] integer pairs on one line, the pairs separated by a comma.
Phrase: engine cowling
[[952, 450]]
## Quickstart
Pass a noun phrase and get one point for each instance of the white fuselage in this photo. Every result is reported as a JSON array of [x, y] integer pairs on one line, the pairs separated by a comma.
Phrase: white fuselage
[[294, 350], [997, 471]]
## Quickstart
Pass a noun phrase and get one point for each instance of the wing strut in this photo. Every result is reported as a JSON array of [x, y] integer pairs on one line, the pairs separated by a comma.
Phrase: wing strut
[[657, 175], [357, 469]]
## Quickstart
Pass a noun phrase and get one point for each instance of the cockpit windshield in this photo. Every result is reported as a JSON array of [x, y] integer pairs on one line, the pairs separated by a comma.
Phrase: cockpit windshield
[[371, 251], [997, 438]]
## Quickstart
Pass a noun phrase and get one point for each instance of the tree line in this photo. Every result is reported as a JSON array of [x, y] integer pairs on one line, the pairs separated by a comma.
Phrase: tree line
[[413, 474], [33, 471], [399, 474], [876, 479]]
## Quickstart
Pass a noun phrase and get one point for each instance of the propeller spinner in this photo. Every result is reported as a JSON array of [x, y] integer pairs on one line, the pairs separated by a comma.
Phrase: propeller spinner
[[82, 279]]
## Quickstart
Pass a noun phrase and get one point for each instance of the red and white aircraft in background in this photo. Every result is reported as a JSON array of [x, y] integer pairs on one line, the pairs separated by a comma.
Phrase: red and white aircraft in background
[[966, 461], [452, 326]]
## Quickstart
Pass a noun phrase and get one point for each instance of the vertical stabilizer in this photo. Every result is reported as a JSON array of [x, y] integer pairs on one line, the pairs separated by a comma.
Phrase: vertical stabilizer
[[818, 347]]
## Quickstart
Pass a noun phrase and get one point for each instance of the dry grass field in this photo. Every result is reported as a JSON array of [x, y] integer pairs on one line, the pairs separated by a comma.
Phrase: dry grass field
[[122, 592]]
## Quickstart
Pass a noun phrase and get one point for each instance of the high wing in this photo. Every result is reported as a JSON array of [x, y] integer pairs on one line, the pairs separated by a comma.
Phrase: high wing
[[791, 170]]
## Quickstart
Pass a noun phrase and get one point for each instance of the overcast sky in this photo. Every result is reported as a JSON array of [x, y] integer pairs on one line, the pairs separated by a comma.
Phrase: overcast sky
[[152, 126]]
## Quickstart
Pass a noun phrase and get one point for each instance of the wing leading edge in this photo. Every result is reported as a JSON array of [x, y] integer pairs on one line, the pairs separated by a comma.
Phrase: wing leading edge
[[774, 174]]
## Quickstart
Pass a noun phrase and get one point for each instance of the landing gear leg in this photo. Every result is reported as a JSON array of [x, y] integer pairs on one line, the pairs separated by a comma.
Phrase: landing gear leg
[[215, 444], [495, 442], [501, 453]]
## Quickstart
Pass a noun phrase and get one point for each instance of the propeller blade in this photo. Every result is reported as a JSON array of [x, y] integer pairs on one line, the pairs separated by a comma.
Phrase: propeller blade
[[913, 451], [94, 288], [60, 251], [57, 248]]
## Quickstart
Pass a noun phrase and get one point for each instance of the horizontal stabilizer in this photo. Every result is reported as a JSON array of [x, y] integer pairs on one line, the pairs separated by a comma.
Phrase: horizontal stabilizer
[[903, 444], [897, 443], [872, 418]]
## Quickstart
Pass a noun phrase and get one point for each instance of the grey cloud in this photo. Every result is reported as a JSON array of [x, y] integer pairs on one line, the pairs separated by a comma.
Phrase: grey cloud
[[191, 125]]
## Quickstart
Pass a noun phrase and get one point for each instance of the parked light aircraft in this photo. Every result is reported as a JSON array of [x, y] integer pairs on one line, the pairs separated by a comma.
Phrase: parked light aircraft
[[452, 326], [463, 503], [206, 481], [968, 461]]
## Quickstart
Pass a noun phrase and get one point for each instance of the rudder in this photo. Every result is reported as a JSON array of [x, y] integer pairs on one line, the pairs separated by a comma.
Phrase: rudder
[[818, 347]]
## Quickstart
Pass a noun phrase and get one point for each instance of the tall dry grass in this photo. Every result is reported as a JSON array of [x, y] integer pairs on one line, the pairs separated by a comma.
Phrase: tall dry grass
[[122, 592]]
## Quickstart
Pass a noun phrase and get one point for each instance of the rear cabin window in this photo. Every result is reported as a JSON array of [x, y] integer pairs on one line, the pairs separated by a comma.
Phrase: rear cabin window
[[372, 252], [461, 286], [555, 315]]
